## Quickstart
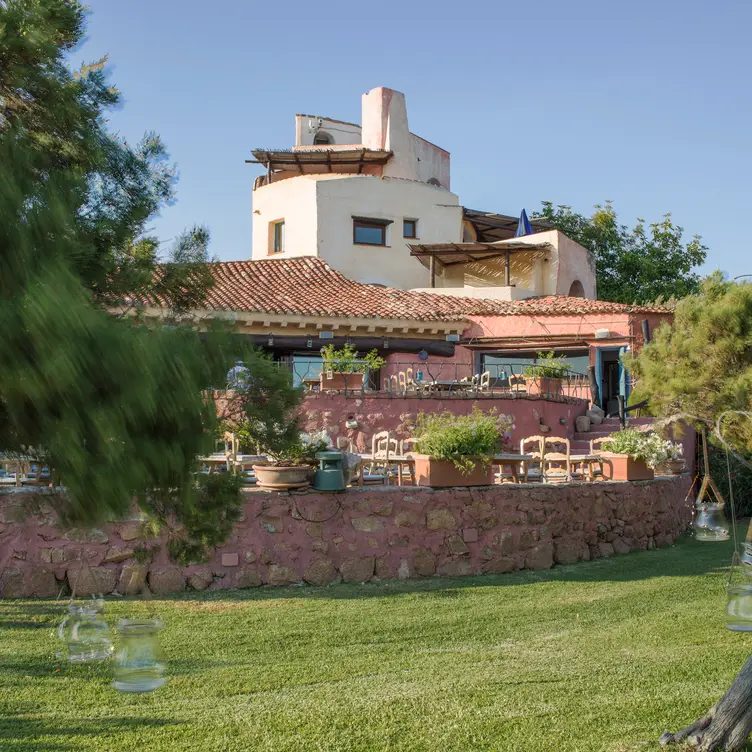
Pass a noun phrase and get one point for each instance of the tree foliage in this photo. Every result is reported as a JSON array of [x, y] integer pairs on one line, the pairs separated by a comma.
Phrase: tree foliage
[[700, 367], [638, 265]]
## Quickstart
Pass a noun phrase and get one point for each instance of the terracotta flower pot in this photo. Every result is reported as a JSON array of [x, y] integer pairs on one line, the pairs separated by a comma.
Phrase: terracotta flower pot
[[335, 381], [280, 478], [624, 467], [443, 474], [543, 385]]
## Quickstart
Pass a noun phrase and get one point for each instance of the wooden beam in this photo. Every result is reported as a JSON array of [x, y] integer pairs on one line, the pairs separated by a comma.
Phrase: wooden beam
[[361, 163], [507, 270], [432, 269]]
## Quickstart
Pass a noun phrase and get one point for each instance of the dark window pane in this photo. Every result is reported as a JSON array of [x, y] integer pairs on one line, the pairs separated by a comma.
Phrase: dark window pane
[[370, 235], [279, 237], [408, 228]]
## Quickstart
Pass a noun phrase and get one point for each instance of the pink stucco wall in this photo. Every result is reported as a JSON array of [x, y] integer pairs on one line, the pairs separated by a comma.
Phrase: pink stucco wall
[[363, 534], [376, 413]]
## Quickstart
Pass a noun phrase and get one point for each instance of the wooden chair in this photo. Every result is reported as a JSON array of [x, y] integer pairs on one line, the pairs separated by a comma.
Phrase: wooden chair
[[394, 384], [535, 447], [518, 384], [484, 382], [382, 445], [345, 443], [556, 459]]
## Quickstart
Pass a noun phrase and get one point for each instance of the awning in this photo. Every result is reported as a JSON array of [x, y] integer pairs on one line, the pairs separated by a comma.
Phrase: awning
[[465, 253], [305, 161]]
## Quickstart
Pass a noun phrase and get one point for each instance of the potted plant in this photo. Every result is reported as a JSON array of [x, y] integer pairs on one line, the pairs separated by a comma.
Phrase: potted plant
[[632, 455], [343, 369], [672, 459], [546, 375], [456, 450], [291, 466]]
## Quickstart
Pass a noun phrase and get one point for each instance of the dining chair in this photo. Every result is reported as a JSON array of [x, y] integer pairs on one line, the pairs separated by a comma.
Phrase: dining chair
[[534, 447], [556, 459]]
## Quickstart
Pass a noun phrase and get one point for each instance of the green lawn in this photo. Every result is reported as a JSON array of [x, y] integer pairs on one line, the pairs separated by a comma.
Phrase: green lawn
[[598, 656]]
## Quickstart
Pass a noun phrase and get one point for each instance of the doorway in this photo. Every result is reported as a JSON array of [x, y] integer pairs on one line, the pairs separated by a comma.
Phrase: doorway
[[612, 378]]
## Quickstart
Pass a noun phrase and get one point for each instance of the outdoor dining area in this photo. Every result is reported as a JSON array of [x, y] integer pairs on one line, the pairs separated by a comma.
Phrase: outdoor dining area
[[18, 470]]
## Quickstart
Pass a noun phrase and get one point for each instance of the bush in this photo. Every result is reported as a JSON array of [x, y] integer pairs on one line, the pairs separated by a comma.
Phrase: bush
[[462, 439], [346, 360], [548, 367], [742, 480], [643, 445]]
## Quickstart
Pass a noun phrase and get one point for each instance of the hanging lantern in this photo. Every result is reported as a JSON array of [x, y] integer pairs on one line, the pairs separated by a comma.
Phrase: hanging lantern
[[86, 633], [739, 590], [710, 522], [139, 665]]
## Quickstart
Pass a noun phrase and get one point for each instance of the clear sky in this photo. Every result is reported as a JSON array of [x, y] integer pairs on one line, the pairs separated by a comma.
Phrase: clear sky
[[645, 102]]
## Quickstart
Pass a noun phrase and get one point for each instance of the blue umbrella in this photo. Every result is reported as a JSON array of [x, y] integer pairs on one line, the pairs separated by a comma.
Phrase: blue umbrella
[[524, 227]]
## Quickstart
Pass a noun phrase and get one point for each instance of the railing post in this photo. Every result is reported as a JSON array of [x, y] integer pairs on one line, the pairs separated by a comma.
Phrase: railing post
[[622, 411]]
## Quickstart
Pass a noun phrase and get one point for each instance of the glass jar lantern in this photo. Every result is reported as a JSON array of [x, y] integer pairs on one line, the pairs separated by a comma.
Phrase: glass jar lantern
[[86, 633], [139, 665], [710, 522]]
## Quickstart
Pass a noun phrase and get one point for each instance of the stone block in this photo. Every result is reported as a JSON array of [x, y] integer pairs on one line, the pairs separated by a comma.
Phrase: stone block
[[315, 529], [383, 508], [132, 579], [582, 424], [470, 534], [86, 535], [131, 531], [567, 551], [540, 557], [249, 557], [605, 549], [13, 584], [405, 519], [117, 553], [403, 572], [357, 570], [456, 568], [247, 578], [272, 525], [280, 575], [320, 572], [594, 418], [424, 562], [163, 581], [383, 569], [320, 546], [505, 543], [620, 546], [499, 565], [457, 546], [201, 579], [441, 519], [368, 524], [86, 581], [42, 582], [230, 560], [599, 411]]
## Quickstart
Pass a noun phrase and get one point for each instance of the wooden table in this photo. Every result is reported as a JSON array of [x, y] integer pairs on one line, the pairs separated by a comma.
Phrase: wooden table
[[586, 462], [400, 460], [215, 461], [310, 382], [516, 462], [438, 385]]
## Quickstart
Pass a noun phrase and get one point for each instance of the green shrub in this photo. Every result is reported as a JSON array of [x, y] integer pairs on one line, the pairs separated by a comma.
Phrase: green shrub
[[346, 360], [548, 366], [462, 439]]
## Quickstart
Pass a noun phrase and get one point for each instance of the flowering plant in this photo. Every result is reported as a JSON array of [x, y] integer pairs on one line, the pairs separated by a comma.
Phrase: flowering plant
[[642, 445]]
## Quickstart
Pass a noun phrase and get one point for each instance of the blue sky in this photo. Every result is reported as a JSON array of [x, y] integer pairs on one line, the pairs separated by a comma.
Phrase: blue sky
[[644, 102]]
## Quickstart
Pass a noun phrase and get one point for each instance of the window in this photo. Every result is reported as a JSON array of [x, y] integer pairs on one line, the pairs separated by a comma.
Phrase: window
[[433, 181], [321, 138], [370, 231], [504, 365], [410, 228], [277, 237]]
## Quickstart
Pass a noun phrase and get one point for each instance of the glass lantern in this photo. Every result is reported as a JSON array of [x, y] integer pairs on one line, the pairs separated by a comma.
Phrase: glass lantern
[[86, 633], [710, 522], [139, 665]]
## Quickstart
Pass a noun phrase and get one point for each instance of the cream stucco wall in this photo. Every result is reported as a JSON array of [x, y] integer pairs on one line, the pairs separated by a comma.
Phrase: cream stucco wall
[[306, 127]]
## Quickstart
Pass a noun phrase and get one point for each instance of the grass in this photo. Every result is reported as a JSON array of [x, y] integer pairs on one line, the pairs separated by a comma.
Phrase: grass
[[597, 656]]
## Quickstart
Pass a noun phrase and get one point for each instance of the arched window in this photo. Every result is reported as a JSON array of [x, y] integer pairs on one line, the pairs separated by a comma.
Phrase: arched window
[[577, 290], [322, 137], [433, 181]]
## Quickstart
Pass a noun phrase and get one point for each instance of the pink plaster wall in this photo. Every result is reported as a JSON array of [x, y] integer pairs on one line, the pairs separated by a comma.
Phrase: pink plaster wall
[[368, 533]]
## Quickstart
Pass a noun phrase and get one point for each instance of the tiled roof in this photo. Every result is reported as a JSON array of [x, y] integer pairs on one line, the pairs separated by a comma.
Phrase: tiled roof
[[308, 286]]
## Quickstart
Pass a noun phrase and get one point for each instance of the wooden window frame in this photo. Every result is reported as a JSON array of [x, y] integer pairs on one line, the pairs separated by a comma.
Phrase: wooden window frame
[[371, 225], [273, 250], [414, 223]]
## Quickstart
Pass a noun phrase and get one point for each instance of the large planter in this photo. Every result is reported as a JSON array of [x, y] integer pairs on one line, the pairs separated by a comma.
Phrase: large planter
[[543, 385], [624, 467], [336, 381], [672, 467], [281, 478], [443, 474]]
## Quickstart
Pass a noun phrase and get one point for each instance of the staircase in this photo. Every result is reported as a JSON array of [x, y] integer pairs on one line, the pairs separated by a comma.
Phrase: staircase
[[580, 444]]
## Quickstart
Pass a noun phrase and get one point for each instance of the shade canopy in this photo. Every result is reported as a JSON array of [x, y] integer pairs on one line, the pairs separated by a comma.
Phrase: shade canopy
[[523, 227]]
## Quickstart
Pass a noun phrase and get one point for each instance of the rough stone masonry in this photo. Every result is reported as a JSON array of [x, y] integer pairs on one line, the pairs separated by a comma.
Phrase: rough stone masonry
[[360, 535]]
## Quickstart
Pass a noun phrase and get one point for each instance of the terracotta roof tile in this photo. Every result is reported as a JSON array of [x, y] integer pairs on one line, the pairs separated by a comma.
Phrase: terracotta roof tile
[[308, 286]]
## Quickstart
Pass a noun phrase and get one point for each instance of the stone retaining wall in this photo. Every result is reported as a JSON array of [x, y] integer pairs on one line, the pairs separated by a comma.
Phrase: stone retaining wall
[[360, 535]]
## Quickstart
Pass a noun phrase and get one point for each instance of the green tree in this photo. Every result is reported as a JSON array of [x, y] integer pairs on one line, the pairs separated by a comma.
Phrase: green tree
[[699, 369], [115, 406], [638, 265]]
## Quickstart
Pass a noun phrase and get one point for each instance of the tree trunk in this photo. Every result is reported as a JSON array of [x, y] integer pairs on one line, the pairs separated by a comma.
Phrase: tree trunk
[[727, 725]]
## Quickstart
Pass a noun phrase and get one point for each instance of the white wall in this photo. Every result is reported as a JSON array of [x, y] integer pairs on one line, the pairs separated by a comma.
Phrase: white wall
[[293, 200], [339, 198], [430, 161], [342, 133], [575, 263]]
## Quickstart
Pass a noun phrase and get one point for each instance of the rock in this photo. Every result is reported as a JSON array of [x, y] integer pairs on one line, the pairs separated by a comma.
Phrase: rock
[[92, 580], [594, 418], [424, 562], [620, 546], [357, 570], [247, 578], [320, 572], [384, 570], [368, 524], [201, 579], [526, 540], [405, 519], [321, 546], [470, 534], [315, 529], [13, 584], [540, 557], [404, 570], [457, 546], [605, 549], [567, 551], [582, 424], [170, 580], [499, 565], [117, 553], [272, 524], [383, 509], [441, 519], [132, 579], [456, 568], [86, 535], [249, 557], [131, 531], [400, 541], [19, 554], [230, 560], [279, 575], [505, 543]]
